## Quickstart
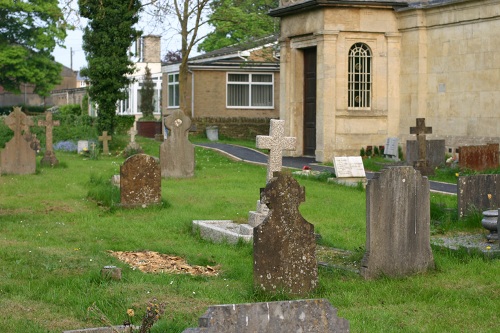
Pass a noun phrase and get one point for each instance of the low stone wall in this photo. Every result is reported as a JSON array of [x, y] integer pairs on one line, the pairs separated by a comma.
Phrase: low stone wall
[[234, 127]]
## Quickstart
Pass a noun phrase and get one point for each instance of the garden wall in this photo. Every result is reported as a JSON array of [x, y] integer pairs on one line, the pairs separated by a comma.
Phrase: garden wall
[[234, 127]]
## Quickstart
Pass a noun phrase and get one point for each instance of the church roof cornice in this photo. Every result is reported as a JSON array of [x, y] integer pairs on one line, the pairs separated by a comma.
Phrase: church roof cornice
[[297, 6]]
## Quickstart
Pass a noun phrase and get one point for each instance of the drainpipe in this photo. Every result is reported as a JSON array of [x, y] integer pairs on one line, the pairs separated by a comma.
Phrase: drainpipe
[[192, 93]]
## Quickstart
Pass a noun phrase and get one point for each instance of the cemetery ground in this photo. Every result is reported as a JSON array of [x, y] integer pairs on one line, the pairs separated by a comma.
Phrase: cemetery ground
[[55, 239]]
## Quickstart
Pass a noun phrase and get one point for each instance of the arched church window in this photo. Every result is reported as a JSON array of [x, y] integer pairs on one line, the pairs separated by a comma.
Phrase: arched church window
[[360, 76]]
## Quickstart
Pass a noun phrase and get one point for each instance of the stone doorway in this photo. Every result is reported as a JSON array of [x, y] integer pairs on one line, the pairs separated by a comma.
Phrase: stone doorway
[[310, 57]]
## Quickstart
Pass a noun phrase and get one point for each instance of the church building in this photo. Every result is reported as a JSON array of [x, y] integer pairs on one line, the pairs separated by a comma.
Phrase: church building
[[355, 72]]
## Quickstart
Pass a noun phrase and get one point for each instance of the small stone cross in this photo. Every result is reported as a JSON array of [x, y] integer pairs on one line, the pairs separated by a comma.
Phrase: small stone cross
[[132, 134], [105, 138], [18, 122], [420, 130], [276, 142], [49, 125]]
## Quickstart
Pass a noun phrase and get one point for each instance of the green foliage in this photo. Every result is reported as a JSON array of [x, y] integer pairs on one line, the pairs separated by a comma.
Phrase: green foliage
[[147, 94], [102, 191], [106, 40], [71, 109], [30, 30], [132, 150], [362, 152], [237, 21], [85, 104], [6, 110], [124, 123]]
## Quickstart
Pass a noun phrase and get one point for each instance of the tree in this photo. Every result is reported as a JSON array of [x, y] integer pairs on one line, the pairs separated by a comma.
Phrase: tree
[[29, 32], [173, 56], [107, 37], [189, 16], [237, 21], [147, 95]]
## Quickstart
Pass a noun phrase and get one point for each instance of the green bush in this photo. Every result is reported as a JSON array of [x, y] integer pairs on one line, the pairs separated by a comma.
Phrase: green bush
[[71, 109], [123, 124]]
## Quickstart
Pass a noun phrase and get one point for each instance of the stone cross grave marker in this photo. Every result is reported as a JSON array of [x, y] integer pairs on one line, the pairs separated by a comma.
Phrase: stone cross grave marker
[[276, 142], [309, 315], [49, 158], [422, 164], [284, 243], [176, 152], [391, 148], [397, 224], [132, 132], [105, 138], [140, 181], [18, 157]]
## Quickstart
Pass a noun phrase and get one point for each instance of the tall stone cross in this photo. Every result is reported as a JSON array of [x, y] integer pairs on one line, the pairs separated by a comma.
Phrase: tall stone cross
[[132, 134], [420, 130], [105, 138], [276, 142], [49, 156]]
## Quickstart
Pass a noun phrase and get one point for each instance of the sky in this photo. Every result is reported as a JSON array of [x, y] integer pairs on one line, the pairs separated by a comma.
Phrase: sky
[[73, 53]]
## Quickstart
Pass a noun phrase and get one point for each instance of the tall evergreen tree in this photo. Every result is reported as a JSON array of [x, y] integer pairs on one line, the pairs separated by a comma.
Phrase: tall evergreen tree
[[147, 95], [237, 21], [106, 40], [29, 32]]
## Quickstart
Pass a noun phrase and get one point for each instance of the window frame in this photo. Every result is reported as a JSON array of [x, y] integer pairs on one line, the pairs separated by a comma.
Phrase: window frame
[[360, 81], [250, 83], [175, 85]]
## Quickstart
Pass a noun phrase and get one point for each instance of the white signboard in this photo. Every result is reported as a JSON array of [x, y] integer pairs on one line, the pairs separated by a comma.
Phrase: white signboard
[[349, 167]]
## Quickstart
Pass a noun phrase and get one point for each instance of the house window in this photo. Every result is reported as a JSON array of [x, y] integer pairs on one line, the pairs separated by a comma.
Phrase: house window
[[173, 90], [250, 90], [360, 76]]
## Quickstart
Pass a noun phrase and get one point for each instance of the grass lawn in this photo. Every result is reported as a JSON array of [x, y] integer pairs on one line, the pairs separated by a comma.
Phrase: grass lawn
[[54, 241]]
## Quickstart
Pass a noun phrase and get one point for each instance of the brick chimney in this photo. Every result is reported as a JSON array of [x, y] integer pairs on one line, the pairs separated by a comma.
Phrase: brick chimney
[[152, 48]]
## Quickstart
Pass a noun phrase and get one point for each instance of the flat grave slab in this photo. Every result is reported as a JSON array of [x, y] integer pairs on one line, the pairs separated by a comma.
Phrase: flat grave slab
[[223, 230]]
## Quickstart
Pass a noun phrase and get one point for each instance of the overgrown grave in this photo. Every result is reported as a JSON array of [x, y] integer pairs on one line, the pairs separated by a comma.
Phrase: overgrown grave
[[227, 230]]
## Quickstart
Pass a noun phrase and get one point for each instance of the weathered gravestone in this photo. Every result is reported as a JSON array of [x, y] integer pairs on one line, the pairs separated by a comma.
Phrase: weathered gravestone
[[391, 148], [284, 244], [311, 315], [478, 193], [435, 150], [479, 158], [105, 138], [397, 224], [276, 142], [49, 158], [177, 153], [422, 163], [18, 157], [140, 181], [83, 145]]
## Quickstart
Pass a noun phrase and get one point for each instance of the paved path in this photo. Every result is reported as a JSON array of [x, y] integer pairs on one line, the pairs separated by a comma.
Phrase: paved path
[[253, 156]]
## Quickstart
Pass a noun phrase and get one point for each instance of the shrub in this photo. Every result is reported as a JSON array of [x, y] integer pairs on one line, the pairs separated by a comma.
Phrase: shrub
[[68, 146]]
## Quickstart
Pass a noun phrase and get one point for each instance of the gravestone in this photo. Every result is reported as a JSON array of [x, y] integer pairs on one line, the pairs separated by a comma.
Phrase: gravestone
[[132, 144], [18, 157], [310, 315], [397, 224], [422, 163], [140, 181], [284, 243], [49, 158], [479, 158], [435, 149], [276, 142], [478, 193], [349, 170], [391, 148], [83, 145], [176, 152], [105, 138]]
